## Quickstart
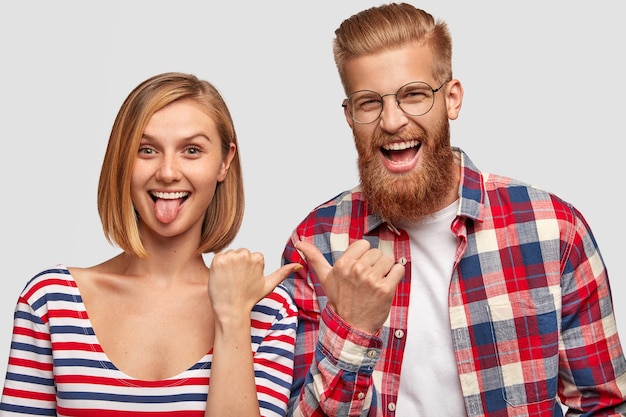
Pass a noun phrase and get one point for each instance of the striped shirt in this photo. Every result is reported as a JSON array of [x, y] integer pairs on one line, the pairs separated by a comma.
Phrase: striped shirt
[[531, 313], [57, 367]]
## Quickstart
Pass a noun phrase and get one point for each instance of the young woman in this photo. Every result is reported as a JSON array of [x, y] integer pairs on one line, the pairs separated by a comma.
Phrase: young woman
[[150, 330]]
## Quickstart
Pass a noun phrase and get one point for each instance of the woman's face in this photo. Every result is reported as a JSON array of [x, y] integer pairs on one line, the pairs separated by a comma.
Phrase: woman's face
[[176, 170]]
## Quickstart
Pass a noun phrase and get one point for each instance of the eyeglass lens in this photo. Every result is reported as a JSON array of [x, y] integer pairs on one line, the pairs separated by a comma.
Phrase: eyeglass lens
[[415, 99]]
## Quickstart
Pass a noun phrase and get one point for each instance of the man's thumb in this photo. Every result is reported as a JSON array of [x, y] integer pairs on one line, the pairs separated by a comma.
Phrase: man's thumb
[[315, 258]]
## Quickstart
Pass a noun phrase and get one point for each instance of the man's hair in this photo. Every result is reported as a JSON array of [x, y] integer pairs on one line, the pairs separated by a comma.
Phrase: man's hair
[[392, 26], [115, 207]]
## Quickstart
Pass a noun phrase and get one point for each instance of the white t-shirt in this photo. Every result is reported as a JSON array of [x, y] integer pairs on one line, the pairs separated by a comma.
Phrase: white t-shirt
[[429, 381]]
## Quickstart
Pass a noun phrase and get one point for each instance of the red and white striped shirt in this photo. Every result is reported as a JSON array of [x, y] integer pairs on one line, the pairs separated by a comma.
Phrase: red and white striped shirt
[[57, 367]]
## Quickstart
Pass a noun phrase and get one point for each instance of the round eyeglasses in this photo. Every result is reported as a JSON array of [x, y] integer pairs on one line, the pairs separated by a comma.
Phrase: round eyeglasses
[[415, 99]]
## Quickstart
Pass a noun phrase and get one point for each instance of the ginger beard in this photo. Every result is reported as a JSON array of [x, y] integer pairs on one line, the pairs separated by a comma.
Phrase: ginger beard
[[404, 198]]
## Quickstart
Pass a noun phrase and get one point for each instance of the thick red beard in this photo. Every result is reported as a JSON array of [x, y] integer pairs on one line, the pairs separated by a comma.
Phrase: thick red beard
[[405, 198]]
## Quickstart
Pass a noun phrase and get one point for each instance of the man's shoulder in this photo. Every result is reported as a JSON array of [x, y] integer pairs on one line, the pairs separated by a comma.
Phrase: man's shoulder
[[338, 215], [342, 202]]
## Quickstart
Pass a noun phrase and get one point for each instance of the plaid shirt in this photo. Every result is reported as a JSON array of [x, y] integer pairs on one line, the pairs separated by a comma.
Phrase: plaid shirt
[[530, 309]]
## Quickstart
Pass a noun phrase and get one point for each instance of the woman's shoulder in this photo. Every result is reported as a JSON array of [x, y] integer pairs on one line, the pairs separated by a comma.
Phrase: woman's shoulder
[[57, 276], [49, 289]]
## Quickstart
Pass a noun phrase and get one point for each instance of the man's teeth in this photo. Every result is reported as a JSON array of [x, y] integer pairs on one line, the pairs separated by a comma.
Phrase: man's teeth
[[170, 196], [399, 146]]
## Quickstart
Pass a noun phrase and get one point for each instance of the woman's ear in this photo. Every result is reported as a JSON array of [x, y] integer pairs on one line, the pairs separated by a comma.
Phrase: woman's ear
[[226, 162]]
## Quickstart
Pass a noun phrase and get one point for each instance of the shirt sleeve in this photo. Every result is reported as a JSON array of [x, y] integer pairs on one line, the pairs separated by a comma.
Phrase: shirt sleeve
[[592, 366], [333, 363], [274, 322], [29, 384]]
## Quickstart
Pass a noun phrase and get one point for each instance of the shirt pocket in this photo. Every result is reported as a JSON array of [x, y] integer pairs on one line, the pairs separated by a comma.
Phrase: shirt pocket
[[525, 337]]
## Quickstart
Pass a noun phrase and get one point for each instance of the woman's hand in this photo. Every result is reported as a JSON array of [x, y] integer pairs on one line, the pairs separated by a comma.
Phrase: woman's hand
[[237, 283]]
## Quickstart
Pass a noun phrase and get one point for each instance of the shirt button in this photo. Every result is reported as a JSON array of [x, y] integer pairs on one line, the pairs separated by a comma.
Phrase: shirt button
[[391, 406], [402, 261], [399, 334], [372, 354], [360, 396]]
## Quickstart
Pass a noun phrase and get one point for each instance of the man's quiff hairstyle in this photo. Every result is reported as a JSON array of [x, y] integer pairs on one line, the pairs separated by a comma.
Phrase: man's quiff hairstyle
[[391, 26], [119, 220]]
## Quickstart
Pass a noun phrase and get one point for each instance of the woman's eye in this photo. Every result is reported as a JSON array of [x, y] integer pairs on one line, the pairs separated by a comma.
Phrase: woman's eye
[[146, 151], [193, 150]]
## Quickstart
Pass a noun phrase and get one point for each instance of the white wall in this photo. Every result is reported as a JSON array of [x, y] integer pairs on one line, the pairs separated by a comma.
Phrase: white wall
[[544, 102]]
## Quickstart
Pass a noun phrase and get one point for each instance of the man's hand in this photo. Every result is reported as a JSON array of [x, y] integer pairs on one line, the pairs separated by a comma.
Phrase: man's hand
[[360, 286]]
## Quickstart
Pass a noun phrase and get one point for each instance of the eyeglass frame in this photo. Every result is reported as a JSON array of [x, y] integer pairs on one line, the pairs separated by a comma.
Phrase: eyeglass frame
[[344, 104]]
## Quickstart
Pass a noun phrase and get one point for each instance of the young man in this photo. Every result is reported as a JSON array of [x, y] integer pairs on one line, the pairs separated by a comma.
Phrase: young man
[[431, 288]]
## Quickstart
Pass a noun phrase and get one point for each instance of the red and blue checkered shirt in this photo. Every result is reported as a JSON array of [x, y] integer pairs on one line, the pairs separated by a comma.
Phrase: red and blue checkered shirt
[[531, 313]]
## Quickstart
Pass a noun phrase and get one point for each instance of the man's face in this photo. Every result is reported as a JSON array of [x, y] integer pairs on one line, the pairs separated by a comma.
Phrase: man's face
[[406, 164]]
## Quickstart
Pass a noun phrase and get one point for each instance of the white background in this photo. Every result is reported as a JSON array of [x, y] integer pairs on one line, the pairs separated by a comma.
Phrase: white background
[[544, 103]]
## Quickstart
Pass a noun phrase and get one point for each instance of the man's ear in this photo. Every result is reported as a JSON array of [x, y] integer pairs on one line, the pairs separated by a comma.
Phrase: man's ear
[[454, 98], [348, 118]]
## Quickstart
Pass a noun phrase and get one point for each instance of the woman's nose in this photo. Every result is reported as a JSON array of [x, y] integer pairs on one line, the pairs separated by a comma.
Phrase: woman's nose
[[168, 170]]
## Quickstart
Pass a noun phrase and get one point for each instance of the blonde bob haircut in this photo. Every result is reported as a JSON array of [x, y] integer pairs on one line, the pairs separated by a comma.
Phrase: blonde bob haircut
[[115, 207], [392, 26]]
